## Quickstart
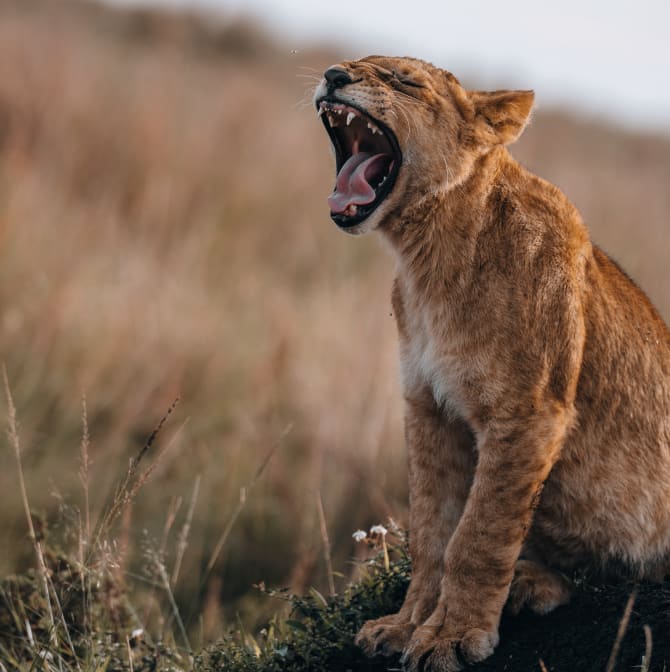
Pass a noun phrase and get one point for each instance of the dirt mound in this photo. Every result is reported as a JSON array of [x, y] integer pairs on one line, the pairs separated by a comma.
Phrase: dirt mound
[[580, 636]]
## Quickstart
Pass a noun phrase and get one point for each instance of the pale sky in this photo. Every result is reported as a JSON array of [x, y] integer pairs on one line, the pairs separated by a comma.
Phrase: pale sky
[[605, 57]]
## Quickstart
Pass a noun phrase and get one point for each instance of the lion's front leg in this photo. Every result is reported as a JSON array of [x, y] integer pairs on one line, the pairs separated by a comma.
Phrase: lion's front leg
[[515, 459], [441, 467]]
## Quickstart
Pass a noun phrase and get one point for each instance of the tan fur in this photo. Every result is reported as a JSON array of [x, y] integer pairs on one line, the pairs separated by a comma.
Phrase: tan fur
[[536, 375]]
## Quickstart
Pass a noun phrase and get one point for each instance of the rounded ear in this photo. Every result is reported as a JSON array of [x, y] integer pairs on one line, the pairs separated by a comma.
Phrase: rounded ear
[[501, 116]]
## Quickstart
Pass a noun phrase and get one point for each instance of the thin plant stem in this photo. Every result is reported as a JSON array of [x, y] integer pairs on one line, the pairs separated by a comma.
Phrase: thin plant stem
[[130, 654], [84, 466], [647, 648], [64, 622], [244, 491], [182, 541], [326, 543], [623, 626], [129, 486], [13, 435], [165, 583]]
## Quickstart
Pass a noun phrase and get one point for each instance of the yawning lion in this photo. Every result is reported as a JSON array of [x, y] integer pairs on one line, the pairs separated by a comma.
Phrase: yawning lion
[[536, 374]]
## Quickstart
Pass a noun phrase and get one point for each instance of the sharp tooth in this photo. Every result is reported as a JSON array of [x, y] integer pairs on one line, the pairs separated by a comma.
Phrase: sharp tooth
[[321, 111], [331, 119], [350, 116]]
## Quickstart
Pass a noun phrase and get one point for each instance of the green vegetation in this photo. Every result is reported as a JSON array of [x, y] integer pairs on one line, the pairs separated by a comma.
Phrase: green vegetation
[[77, 613], [319, 633]]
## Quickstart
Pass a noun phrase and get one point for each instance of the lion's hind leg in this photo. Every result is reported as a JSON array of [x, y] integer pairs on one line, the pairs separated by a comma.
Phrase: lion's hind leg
[[537, 587]]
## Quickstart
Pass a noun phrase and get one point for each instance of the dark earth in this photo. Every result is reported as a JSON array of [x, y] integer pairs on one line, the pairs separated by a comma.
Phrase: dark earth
[[580, 636]]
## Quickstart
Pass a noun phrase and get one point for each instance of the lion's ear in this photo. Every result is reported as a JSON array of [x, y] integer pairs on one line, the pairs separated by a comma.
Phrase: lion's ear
[[501, 116]]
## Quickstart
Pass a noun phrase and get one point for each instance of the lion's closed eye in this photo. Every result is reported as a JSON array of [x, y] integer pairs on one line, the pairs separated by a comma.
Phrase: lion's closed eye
[[394, 76], [407, 80]]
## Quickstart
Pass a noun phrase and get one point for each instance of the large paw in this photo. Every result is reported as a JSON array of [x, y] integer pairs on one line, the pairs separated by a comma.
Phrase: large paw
[[386, 636], [537, 587], [434, 649]]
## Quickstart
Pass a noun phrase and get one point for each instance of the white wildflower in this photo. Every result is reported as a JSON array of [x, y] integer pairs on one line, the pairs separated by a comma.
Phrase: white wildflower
[[359, 535], [378, 529]]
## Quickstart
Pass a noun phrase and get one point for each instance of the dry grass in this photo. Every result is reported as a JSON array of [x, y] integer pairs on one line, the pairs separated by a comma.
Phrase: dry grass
[[164, 233]]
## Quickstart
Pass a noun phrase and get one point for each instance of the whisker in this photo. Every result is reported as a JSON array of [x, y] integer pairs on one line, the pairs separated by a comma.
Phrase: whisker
[[409, 120], [306, 99], [413, 99], [303, 103]]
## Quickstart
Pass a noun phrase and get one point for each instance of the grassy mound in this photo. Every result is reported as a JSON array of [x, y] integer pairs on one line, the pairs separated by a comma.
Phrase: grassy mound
[[606, 627], [91, 623], [319, 633]]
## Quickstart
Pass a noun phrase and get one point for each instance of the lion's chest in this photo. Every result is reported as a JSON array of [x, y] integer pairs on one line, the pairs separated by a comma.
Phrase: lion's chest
[[428, 359]]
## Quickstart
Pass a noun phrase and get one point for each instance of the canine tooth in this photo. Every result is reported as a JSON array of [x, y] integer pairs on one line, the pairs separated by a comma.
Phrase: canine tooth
[[350, 116], [331, 119], [321, 111]]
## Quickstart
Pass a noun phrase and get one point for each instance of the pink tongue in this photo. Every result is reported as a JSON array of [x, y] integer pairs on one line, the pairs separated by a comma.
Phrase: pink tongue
[[352, 187]]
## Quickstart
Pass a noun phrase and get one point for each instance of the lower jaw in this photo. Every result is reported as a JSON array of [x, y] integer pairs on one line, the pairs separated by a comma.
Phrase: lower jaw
[[350, 227], [345, 222], [355, 229]]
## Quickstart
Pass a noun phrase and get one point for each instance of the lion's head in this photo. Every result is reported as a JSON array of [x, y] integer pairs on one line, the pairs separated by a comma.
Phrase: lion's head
[[402, 128]]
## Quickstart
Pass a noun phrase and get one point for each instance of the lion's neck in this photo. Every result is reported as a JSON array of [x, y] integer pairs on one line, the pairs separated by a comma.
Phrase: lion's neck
[[434, 240]]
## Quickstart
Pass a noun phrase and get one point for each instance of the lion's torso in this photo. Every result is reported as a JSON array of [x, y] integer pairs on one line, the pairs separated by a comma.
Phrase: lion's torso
[[605, 502]]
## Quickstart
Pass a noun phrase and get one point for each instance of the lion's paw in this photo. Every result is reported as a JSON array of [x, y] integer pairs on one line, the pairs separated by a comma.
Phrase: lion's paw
[[434, 649], [385, 636]]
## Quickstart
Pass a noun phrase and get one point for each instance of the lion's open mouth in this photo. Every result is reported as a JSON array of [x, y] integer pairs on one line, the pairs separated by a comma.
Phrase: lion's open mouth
[[367, 158]]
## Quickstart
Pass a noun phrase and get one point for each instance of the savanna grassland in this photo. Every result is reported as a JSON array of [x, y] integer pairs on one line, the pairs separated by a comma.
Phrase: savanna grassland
[[164, 235]]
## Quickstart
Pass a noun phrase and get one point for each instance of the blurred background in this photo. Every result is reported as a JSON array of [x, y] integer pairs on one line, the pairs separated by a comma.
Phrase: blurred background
[[164, 233]]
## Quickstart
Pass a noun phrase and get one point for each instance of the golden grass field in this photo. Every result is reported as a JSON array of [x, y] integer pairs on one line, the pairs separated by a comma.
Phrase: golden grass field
[[164, 233]]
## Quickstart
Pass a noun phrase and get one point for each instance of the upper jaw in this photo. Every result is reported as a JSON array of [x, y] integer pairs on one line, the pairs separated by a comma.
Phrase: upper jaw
[[368, 158], [321, 93]]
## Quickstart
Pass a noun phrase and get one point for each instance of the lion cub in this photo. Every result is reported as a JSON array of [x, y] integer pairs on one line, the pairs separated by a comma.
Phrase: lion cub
[[536, 374]]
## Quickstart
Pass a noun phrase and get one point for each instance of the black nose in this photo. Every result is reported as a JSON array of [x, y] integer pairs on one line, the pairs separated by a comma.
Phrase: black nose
[[336, 78]]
